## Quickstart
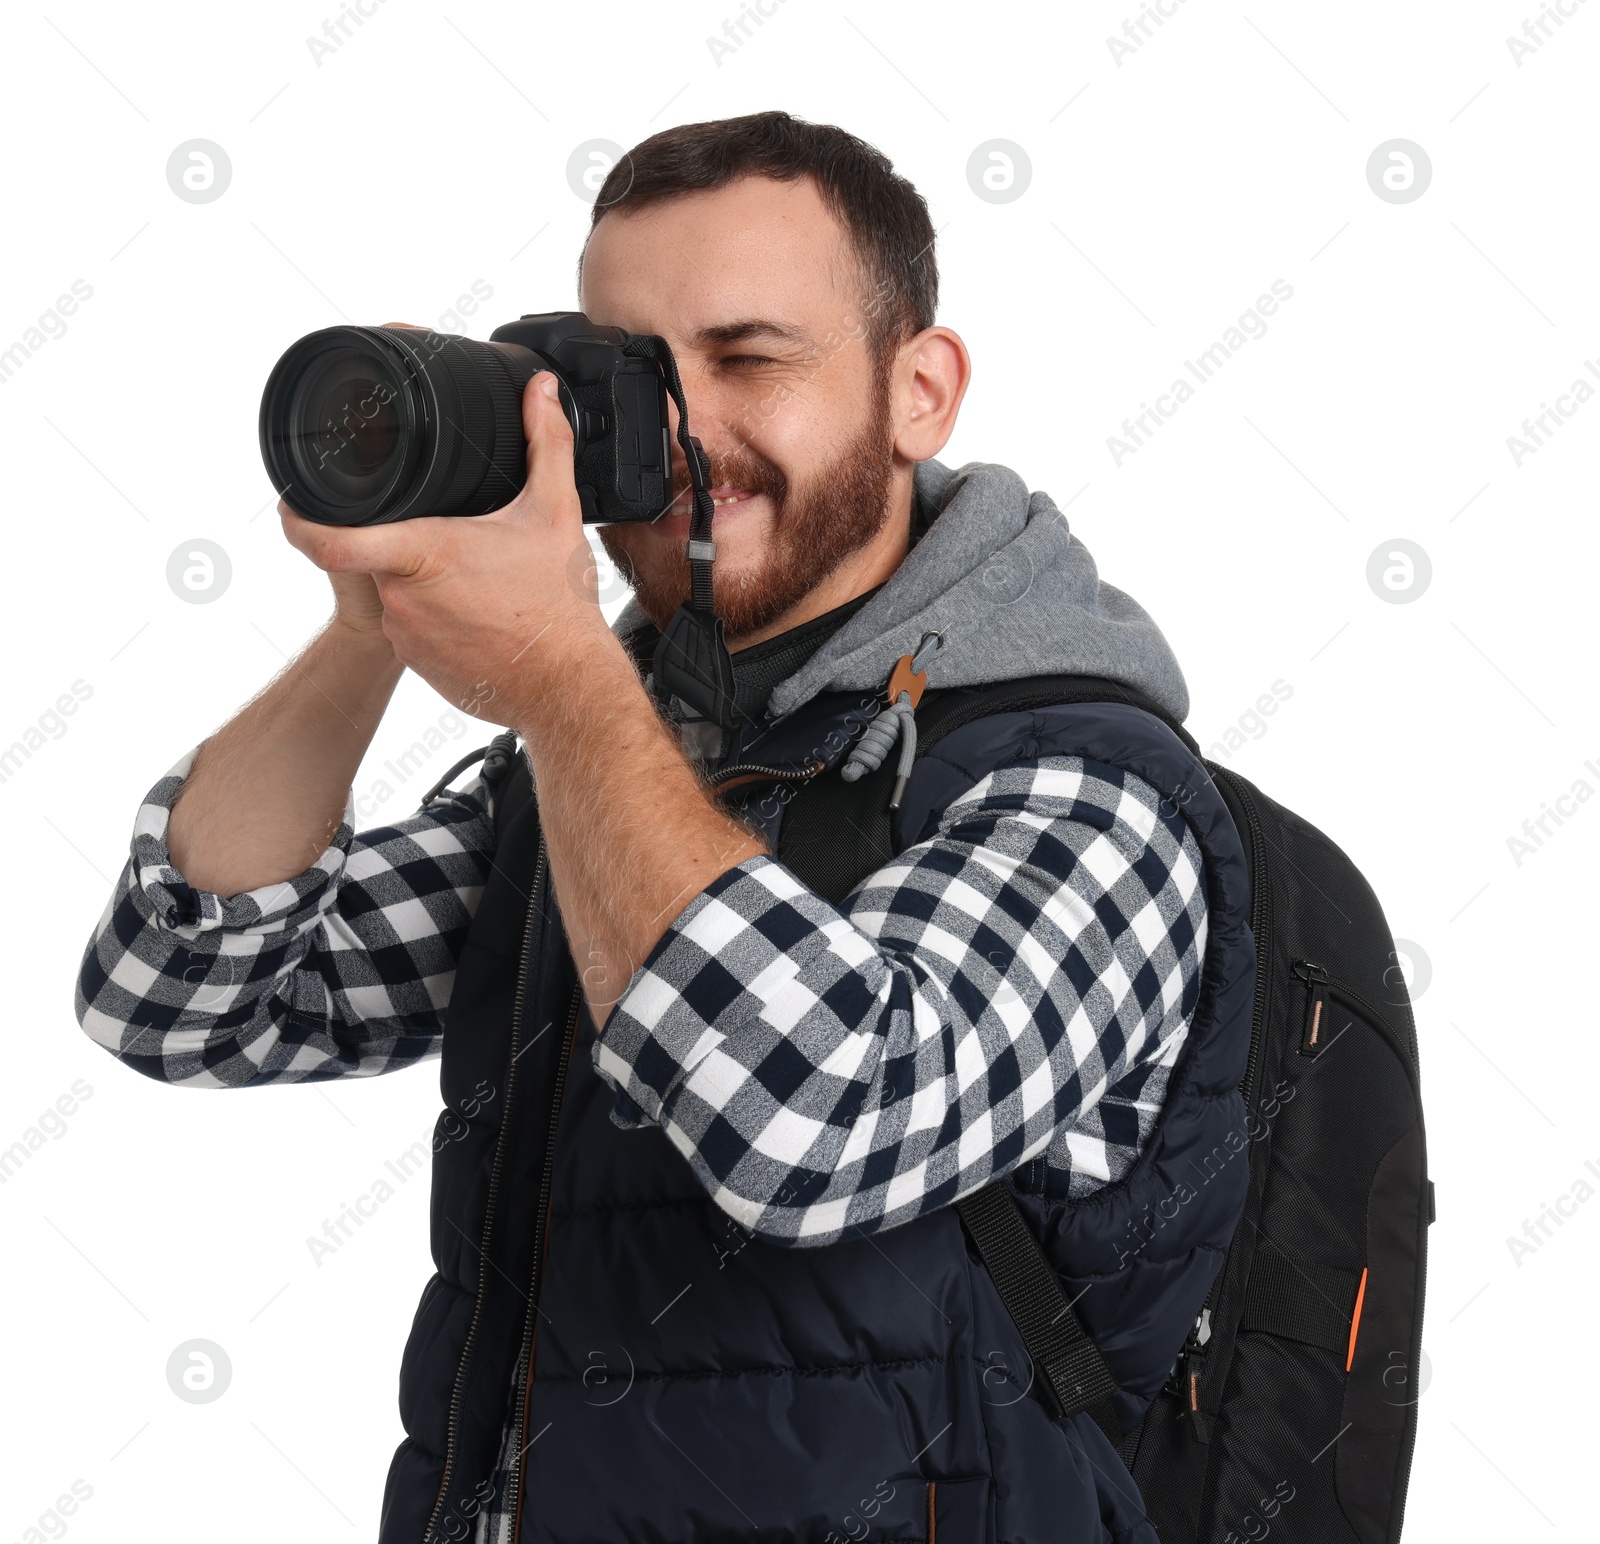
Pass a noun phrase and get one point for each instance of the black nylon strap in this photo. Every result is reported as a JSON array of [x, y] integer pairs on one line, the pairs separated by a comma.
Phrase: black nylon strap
[[1062, 1352], [833, 833], [648, 346], [952, 707], [1299, 1299], [830, 838], [691, 658]]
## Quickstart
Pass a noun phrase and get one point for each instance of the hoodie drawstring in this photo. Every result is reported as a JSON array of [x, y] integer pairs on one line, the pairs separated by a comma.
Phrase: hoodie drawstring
[[905, 690]]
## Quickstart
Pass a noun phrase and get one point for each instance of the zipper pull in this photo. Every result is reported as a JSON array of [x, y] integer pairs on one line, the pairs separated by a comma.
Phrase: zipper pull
[[1194, 1366], [1314, 1034], [1187, 1374]]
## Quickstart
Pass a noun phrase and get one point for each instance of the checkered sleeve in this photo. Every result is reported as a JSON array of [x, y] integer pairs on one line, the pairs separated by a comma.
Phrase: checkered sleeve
[[1014, 988], [342, 971]]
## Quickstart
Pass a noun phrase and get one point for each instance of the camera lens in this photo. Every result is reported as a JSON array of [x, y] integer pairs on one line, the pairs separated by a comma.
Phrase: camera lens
[[364, 425]]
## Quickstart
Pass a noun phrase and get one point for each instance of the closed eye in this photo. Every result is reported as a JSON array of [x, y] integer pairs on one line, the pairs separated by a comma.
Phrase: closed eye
[[746, 359]]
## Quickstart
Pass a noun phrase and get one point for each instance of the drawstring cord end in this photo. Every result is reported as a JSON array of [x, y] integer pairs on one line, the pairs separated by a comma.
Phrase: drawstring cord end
[[907, 682]]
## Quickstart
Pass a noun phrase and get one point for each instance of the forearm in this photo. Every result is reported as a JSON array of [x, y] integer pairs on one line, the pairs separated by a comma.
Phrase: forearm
[[632, 834], [268, 790]]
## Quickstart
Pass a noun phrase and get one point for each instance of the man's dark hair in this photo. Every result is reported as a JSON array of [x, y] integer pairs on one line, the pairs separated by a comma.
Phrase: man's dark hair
[[884, 216]]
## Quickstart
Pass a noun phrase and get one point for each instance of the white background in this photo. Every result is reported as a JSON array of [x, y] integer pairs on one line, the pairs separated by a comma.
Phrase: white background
[[1168, 192]]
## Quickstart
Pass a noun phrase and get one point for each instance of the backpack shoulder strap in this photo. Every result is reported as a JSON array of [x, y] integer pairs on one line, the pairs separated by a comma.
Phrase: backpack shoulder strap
[[951, 707], [833, 833], [1064, 1356]]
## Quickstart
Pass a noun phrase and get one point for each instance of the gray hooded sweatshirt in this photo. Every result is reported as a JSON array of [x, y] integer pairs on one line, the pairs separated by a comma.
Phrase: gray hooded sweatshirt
[[1008, 588]]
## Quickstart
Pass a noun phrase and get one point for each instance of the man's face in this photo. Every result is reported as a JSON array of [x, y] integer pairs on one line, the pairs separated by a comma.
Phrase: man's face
[[763, 301]]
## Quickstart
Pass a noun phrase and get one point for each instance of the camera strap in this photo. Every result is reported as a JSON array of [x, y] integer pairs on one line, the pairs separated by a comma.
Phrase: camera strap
[[691, 659]]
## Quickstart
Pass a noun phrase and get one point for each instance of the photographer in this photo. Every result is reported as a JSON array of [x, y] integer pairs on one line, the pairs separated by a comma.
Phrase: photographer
[[731, 1115]]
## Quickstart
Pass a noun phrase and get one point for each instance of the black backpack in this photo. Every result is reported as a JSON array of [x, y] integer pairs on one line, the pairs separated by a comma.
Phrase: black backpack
[[1292, 1408]]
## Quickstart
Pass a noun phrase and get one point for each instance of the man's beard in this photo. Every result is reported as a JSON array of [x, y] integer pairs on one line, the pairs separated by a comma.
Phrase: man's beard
[[815, 528]]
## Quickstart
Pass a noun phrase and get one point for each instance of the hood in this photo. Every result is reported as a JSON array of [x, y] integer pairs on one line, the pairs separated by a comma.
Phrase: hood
[[1012, 592]]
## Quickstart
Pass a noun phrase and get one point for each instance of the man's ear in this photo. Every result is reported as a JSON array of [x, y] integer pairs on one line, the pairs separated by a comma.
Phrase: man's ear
[[930, 378]]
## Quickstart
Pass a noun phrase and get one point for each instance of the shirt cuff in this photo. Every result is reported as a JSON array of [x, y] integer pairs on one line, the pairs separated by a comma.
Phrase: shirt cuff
[[177, 907]]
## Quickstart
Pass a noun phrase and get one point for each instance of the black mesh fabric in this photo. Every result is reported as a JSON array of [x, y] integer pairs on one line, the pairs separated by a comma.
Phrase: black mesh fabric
[[1278, 1427]]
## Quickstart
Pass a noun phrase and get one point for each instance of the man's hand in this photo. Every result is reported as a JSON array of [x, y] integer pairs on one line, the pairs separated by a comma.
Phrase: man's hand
[[488, 608]]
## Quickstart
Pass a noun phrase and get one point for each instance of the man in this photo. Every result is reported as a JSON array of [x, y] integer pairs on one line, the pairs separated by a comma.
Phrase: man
[[698, 1272]]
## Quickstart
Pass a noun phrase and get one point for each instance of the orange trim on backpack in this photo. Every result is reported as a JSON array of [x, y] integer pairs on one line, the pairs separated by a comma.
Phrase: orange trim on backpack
[[1355, 1320]]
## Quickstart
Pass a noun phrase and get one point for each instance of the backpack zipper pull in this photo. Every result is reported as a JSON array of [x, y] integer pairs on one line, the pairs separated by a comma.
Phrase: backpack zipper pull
[[1313, 1035], [1194, 1367], [1190, 1372]]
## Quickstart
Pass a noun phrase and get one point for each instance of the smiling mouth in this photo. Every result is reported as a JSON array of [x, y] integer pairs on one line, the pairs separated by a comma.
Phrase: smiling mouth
[[721, 496]]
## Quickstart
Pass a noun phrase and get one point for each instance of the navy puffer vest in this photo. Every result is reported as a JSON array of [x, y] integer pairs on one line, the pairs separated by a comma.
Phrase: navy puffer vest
[[694, 1383]]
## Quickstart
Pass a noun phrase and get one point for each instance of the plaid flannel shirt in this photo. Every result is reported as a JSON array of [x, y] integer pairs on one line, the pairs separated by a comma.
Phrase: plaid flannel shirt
[[1013, 989]]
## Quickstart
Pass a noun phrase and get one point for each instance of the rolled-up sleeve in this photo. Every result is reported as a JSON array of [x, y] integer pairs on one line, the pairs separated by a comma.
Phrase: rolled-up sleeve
[[1015, 987], [344, 970]]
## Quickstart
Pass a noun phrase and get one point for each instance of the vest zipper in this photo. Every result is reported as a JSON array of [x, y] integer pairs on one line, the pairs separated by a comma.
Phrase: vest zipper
[[748, 770], [530, 1327], [535, 909]]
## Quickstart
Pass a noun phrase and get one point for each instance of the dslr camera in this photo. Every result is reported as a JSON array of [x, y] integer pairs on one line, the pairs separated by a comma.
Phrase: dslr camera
[[364, 425]]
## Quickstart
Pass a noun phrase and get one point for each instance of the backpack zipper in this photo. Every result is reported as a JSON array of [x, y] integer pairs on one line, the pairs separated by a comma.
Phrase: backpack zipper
[[1313, 1038], [530, 1328], [452, 1430], [1189, 1369], [1321, 981], [1261, 931], [1324, 986], [1191, 1363]]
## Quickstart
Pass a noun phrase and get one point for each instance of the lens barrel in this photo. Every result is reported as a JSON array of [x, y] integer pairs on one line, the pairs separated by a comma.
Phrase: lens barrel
[[365, 425]]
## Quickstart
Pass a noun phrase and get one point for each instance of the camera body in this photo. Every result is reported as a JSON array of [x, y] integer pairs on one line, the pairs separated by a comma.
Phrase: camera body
[[367, 425], [617, 406]]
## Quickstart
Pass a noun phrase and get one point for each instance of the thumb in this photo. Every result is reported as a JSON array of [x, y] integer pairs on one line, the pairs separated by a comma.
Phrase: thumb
[[550, 488]]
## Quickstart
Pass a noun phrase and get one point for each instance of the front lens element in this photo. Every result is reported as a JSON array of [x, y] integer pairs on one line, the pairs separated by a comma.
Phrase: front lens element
[[344, 425], [357, 421]]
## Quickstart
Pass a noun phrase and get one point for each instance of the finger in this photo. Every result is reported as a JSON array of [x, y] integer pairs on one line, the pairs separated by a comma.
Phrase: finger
[[550, 485], [378, 549]]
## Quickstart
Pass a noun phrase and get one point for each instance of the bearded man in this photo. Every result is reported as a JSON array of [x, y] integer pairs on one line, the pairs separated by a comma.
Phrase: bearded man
[[711, 1116]]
